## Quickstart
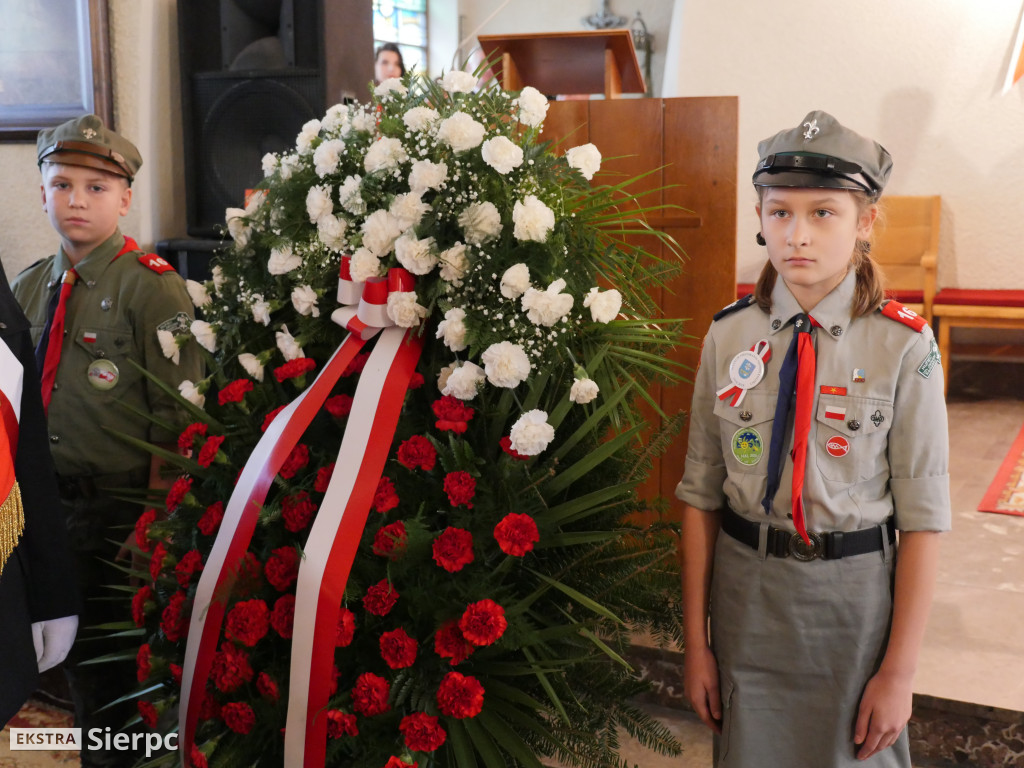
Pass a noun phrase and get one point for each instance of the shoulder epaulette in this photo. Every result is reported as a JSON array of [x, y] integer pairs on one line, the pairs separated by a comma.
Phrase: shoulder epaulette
[[746, 301], [157, 263], [901, 314], [34, 264]]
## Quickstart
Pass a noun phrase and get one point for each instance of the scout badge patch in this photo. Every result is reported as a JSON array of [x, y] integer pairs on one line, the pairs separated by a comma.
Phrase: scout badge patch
[[747, 446], [745, 372]]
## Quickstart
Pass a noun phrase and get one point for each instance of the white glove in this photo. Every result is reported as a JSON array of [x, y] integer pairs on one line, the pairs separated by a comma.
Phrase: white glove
[[53, 640]]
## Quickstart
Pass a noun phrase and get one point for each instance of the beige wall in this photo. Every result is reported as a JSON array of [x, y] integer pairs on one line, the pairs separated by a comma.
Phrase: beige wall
[[921, 76]]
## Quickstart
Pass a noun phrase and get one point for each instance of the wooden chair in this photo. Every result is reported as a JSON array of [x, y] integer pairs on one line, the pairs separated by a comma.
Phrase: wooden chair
[[906, 246]]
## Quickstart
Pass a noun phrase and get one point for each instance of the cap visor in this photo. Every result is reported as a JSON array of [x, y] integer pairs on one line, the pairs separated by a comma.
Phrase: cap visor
[[804, 179], [85, 161]]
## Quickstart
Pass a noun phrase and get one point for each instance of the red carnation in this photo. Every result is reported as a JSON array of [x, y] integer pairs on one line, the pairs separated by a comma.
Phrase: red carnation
[[357, 364], [210, 521], [483, 622], [196, 758], [460, 696], [516, 534], [339, 406], [506, 446], [450, 644], [142, 663], [142, 540], [346, 628], [370, 695], [398, 649], [453, 549], [176, 673], [173, 622], [422, 733], [416, 380], [187, 438], [230, 668], [385, 498], [148, 713], [394, 762], [380, 598], [156, 560], [461, 488], [340, 724], [415, 452], [209, 707], [270, 417], [452, 414], [190, 564], [139, 601], [178, 492], [209, 450], [267, 687], [390, 541], [248, 575], [282, 568], [238, 716], [297, 511], [248, 622], [282, 618], [300, 366], [234, 392], [323, 478], [297, 459]]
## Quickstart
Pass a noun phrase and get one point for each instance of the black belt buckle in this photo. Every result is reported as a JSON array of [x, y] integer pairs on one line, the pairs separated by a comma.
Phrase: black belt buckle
[[801, 551]]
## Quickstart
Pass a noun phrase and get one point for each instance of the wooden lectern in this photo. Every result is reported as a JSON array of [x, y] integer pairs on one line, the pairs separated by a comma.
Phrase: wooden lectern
[[599, 61]]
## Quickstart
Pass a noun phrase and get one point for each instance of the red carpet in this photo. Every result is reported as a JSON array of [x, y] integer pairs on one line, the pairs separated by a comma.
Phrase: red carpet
[[36, 714], [1006, 494]]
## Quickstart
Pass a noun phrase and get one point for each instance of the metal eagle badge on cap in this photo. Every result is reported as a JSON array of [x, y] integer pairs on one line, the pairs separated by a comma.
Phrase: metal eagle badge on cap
[[812, 129], [745, 372]]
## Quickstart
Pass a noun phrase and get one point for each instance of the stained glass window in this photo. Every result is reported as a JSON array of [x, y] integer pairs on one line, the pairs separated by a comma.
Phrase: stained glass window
[[403, 22]]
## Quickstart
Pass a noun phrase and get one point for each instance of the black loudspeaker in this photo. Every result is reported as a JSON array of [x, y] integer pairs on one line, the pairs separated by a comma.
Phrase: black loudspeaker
[[253, 72], [191, 258]]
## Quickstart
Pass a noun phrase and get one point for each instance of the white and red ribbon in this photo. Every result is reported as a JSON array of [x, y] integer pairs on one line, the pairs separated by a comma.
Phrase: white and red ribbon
[[738, 388], [326, 580]]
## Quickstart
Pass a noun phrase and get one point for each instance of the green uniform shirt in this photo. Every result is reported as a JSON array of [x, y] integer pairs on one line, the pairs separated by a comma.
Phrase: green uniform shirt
[[112, 317]]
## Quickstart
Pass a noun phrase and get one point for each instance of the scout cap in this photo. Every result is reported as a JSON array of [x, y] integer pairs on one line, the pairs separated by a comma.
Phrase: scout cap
[[86, 141], [822, 153]]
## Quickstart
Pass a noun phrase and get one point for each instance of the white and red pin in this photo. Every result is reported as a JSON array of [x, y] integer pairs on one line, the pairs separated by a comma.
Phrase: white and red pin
[[837, 446], [745, 372]]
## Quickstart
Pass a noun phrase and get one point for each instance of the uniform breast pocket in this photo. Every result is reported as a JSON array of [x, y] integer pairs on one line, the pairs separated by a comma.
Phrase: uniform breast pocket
[[852, 437], [107, 351], [746, 432]]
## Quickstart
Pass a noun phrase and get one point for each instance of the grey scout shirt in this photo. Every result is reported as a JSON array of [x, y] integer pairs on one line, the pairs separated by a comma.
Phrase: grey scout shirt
[[113, 313], [880, 448]]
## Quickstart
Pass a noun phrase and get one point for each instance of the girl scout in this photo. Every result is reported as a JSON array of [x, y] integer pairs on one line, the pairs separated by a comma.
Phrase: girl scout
[[818, 431]]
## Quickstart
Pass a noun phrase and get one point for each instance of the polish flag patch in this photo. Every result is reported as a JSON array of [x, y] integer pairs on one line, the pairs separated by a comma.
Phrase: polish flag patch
[[89, 337], [834, 412]]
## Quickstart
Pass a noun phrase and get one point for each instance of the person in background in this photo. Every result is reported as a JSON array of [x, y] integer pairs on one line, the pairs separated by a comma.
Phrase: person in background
[[96, 309], [387, 63], [818, 430]]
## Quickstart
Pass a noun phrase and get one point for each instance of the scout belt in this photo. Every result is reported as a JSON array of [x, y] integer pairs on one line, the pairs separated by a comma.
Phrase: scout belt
[[826, 546]]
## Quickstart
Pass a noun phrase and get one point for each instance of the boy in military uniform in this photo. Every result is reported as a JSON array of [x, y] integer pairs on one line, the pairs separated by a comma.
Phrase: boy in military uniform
[[95, 308]]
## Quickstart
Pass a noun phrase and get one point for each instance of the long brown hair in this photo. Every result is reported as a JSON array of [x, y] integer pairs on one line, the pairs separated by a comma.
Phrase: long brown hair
[[870, 289]]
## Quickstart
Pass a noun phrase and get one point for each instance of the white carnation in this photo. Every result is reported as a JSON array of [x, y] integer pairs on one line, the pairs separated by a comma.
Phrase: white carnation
[[254, 200], [169, 346], [461, 132], [418, 256], [408, 209], [289, 165], [533, 106], [318, 203], [392, 84], [452, 330], [205, 334], [218, 278], [304, 300], [604, 305], [505, 364], [444, 373], [336, 119], [583, 391], [464, 382], [427, 175], [270, 164], [238, 228], [197, 292], [502, 154], [331, 231], [363, 266], [380, 230], [364, 121], [454, 264], [458, 81], [532, 219], [480, 222], [586, 159], [309, 132], [191, 393], [252, 365], [327, 156], [531, 434], [515, 281], [420, 118], [282, 261], [260, 309], [287, 344], [350, 196], [403, 309], [384, 154], [549, 306]]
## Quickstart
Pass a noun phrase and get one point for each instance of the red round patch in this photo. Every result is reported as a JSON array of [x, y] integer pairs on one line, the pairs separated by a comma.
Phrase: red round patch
[[837, 446]]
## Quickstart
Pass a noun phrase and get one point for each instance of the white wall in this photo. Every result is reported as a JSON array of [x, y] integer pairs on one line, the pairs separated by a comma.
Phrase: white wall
[[923, 77]]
